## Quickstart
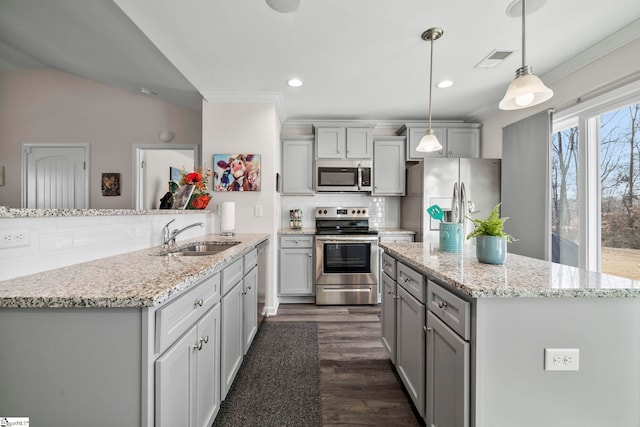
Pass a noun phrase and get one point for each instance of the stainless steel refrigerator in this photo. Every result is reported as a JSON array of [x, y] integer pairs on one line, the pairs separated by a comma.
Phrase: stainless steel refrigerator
[[433, 181]]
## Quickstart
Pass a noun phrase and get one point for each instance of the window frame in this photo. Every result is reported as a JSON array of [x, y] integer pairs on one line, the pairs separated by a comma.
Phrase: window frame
[[585, 113]]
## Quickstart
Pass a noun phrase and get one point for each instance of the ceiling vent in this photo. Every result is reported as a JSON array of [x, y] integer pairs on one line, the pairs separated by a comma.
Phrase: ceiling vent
[[494, 58]]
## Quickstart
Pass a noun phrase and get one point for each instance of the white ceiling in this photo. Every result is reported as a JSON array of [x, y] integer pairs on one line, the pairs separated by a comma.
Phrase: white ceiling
[[359, 59]]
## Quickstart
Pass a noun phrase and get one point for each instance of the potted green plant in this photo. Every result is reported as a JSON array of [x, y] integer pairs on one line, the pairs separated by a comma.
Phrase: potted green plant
[[491, 240]]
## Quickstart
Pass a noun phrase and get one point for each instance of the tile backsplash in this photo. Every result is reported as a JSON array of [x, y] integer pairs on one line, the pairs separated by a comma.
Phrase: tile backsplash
[[383, 211], [54, 242]]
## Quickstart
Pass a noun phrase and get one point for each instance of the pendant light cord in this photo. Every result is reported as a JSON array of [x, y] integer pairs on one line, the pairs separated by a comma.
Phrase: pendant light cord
[[430, 81], [523, 32]]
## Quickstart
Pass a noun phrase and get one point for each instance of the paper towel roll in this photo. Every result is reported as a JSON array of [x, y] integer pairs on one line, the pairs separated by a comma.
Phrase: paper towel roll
[[228, 217]]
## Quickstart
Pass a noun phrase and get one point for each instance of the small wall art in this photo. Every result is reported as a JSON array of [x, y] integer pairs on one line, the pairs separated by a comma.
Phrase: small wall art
[[236, 172], [110, 184]]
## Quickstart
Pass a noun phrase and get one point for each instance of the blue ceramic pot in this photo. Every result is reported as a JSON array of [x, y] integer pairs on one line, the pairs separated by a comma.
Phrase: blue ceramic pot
[[491, 249]]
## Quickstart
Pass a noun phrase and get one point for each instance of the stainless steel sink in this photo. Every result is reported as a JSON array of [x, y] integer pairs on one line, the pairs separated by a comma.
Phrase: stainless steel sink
[[202, 249]]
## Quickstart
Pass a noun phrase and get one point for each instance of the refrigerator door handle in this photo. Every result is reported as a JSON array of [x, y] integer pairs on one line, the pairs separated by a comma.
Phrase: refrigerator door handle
[[455, 204]]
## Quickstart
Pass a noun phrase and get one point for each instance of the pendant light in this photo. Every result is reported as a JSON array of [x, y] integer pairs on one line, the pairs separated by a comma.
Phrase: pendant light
[[526, 90], [429, 142]]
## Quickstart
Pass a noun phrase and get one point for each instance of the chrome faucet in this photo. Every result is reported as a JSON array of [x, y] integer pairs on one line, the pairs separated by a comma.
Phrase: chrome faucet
[[169, 237]]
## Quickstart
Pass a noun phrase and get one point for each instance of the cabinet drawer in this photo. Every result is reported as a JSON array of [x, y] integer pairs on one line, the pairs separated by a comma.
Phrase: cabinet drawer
[[250, 260], [296, 241], [451, 309], [175, 318], [231, 275], [412, 281], [394, 238], [389, 265]]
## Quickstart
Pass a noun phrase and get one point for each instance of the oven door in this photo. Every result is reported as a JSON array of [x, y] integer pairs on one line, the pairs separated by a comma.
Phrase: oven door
[[346, 260]]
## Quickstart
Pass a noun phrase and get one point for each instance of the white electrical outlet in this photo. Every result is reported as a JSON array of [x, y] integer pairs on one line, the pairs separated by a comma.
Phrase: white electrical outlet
[[561, 359], [257, 210], [14, 238]]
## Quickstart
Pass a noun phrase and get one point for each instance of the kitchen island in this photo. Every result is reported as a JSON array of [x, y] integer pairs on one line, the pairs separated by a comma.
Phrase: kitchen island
[[483, 333], [133, 340]]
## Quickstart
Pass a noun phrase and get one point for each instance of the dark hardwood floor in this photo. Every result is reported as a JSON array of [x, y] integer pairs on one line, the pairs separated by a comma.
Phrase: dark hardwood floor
[[358, 383]]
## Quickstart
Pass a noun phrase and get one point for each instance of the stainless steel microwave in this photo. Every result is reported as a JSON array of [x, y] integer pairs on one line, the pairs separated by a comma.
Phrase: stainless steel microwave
[[343, 175]]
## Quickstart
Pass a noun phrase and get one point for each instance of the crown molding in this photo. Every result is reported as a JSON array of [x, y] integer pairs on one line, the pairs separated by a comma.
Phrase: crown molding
[[274, 98]]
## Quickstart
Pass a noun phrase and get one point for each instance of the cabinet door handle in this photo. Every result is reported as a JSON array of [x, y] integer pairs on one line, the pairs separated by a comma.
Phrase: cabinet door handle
[[198, 303], [428, 329], [198, 346], [450, 152], [206, 339], [396, 297], [295, 241], [442, 304], [310, 255]]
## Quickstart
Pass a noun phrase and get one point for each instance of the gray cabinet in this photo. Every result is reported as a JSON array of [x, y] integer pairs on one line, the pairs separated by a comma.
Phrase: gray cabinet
[[344, 142], [389, 315], [448, 358], [388, 166], [396, 237], [187, 376], [296, 265], [297, 165], [410, 346], [458, 140], [232, 337], [250, 303]]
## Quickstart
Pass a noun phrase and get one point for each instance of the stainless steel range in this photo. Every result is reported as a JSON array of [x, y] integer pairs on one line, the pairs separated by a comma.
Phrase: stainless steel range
[[346, 255]]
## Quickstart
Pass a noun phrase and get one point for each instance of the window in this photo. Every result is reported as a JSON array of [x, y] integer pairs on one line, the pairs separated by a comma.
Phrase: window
[[595, 185]]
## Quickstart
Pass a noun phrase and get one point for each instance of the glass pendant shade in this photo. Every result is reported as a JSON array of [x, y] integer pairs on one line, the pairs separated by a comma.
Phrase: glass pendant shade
[[429, 143], [526, 90]]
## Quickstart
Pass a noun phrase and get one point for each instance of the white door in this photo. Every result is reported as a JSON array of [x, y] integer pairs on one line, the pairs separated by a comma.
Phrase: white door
[[55, 176]]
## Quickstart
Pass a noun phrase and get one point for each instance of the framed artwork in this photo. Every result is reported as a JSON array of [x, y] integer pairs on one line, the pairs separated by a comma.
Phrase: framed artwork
[[236, 172], [174, 174], [110, 184], [181, 199]]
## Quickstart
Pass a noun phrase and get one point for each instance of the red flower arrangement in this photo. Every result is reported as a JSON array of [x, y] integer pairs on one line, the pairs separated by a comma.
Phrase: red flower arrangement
[[198, 178]]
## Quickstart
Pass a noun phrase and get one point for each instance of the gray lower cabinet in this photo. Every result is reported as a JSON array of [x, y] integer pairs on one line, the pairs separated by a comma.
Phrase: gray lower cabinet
[[447, 391], [187, 376], [249, 303], [410, 345], [448, 358], [296, 265], [232, 336], [389, 315]]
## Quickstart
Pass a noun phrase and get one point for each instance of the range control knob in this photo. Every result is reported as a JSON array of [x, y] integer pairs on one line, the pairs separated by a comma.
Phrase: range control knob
[[325, 211], [364, 212], [353, 212]]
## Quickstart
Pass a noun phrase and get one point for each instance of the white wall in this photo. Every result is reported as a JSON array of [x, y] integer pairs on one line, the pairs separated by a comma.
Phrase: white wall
[[619, 63], [49, 106], [233, 128]]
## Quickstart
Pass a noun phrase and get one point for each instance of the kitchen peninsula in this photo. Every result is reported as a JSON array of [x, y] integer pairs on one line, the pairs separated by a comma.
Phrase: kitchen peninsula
[[140, 338], [484, 334]]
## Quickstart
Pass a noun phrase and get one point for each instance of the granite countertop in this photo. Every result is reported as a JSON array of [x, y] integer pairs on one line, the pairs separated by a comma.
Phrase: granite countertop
[[519, 277], [135, 279]]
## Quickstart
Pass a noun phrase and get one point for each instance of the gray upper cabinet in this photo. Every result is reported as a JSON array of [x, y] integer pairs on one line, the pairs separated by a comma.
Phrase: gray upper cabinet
[[388, 166], [297, 165], [344, 142], [459, 140]]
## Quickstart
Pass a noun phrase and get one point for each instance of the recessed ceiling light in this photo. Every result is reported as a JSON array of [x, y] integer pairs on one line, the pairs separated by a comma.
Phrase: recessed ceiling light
[[515, 8], [294, 82], [284, 6], [444, 84]]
